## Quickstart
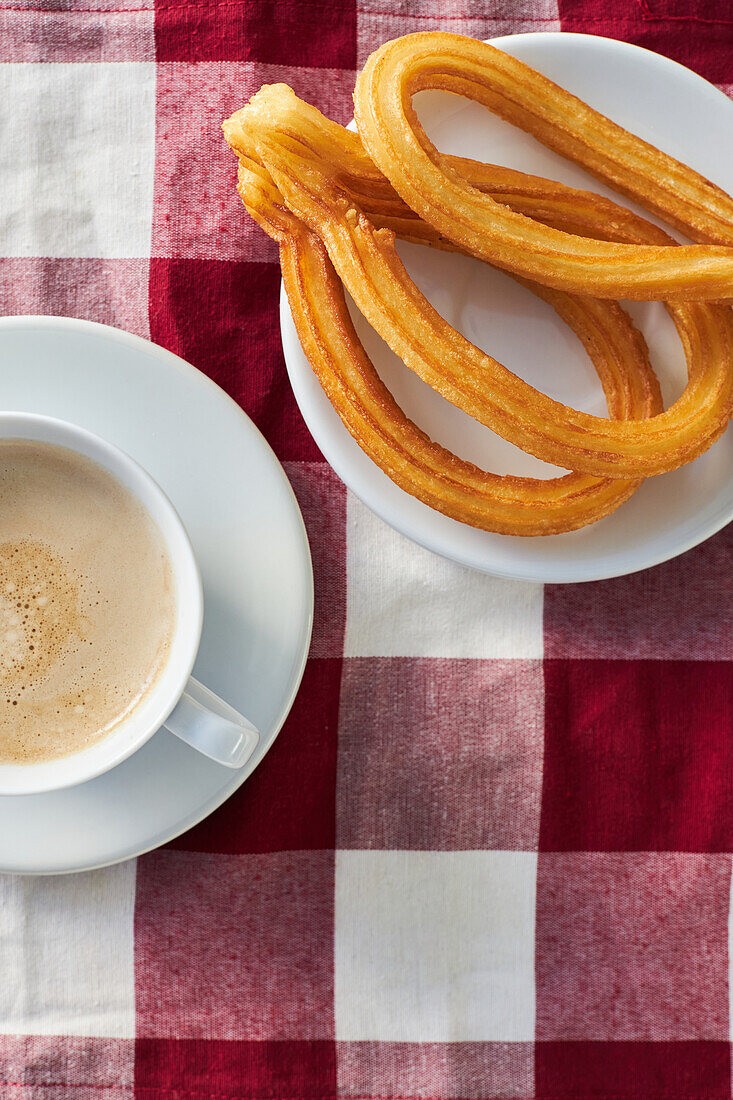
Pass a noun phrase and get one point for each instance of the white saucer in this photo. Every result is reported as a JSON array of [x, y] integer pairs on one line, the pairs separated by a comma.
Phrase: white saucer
[[249, 538], [680, 113]]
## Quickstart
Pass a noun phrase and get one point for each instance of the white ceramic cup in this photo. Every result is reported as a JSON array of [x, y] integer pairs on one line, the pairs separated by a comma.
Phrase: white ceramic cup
[[175, 700]]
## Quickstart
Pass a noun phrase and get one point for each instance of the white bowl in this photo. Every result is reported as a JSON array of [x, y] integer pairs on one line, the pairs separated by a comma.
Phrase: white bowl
[[680, 113]]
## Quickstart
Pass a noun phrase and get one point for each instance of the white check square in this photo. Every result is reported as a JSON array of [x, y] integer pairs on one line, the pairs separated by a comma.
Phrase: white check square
[[67, 954], [435, 946], [77, 159], [404, 601]]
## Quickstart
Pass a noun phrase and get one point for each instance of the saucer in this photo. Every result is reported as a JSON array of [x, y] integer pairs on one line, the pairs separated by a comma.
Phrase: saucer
[[680, 113], [250, 542]]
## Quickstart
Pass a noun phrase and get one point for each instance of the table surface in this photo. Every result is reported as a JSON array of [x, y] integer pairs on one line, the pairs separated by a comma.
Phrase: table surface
[[490, 852]]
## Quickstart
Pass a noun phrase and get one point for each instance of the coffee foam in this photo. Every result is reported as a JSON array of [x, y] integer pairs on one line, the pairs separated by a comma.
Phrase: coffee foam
[[86, 602]]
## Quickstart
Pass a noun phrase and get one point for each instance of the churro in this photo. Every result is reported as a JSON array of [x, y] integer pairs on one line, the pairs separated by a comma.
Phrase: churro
[[431, 186], [335, 201]]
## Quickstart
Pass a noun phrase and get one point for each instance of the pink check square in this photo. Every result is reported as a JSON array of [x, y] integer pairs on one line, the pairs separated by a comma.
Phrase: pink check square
[[29, 34], [681, 610], [111, 292], [417, 735], [235, 946], [197, 210], [65, 1067], [483, 1071], [632, 946], [322, 498], [379, 21]]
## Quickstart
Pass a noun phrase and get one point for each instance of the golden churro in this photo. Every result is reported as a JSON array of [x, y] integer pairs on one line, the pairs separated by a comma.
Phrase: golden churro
[[276, 108], [367, 263], [431, 186], [335, 208], [509, 505]]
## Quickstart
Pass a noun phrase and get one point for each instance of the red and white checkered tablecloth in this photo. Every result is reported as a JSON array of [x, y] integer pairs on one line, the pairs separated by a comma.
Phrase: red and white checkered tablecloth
[[490, 853]]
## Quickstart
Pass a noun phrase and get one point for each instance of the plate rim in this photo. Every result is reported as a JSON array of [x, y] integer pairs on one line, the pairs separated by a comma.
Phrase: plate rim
[[139, 343], [338, 459]]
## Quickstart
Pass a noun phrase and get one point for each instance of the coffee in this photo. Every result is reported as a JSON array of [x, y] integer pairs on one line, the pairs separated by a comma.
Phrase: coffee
[[87, 604]]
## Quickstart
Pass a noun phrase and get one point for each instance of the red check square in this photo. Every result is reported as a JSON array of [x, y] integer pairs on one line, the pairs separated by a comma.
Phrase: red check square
[[223, 318], [632, 946], [166, 1068], [699, 43], [276, 810], [293, 32], [235, 947], [627, 1071], [638, 756], [716, 11], [419, 734]]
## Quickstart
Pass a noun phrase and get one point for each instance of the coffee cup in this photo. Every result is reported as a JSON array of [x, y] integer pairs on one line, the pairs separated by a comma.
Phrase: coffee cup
[[175, 699]]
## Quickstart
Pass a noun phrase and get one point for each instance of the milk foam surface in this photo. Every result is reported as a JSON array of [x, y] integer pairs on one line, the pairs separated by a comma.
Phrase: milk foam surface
[[87, 606]]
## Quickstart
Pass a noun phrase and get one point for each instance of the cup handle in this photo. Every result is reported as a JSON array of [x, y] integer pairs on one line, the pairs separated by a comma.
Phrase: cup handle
[[208, 724]]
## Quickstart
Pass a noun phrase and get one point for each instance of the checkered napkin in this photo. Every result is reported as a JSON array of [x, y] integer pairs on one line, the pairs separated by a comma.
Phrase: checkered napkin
[[489, 854]]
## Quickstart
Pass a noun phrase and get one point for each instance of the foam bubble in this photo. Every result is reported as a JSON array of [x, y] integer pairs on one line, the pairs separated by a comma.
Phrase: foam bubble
[[39, 611]]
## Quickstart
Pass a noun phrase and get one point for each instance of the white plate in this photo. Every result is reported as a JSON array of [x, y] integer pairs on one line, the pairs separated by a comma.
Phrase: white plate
[[680, 113], [250, 542]]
